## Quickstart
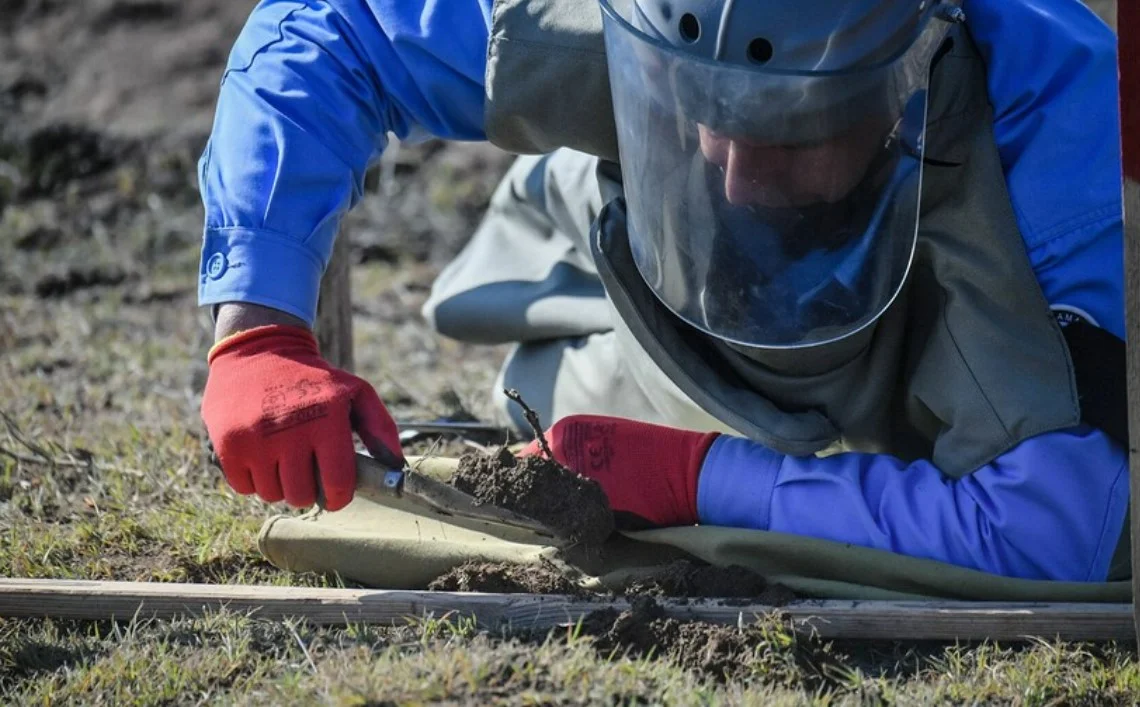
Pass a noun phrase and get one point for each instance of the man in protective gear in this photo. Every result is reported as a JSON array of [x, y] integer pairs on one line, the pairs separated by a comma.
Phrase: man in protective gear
[[848, 269]]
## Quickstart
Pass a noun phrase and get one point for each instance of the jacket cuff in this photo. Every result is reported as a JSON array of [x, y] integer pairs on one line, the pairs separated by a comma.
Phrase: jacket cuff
[[736, 484], [259, 267]]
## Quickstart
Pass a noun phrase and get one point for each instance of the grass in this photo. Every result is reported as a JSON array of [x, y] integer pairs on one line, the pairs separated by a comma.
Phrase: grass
[[226, 658], [104, 475]]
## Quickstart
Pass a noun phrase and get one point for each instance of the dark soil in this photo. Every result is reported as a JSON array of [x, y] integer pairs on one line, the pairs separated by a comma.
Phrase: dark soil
[[686, 579], [683, 579], [40, 238], [769, 649], [57, 155], [99, 153], [504, 578], [712, 650], [77, 277], [130, 12], [539, 488]]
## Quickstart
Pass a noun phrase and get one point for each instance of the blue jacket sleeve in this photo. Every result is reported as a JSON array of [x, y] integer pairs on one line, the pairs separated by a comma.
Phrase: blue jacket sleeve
[[309, 95], [1052, 79], [1053, 507]]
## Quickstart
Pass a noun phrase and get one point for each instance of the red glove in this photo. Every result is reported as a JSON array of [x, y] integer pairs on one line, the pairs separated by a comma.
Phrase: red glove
[[272, 407], [649, 472]]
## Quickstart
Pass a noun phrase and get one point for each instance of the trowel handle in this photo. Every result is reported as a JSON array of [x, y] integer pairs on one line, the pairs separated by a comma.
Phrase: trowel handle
[[375, 479]]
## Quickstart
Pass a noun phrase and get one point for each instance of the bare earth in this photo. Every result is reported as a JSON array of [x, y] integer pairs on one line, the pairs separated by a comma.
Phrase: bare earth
[[105, 106]]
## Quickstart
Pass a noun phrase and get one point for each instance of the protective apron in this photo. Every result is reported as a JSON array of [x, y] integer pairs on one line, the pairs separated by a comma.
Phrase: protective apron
[[966, 363]]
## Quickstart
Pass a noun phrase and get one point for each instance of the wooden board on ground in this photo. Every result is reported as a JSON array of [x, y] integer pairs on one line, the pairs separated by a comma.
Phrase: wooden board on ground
[[934, 620]]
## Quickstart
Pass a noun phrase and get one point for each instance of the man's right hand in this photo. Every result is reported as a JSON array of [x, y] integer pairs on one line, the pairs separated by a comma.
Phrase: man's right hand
[[281, 418]]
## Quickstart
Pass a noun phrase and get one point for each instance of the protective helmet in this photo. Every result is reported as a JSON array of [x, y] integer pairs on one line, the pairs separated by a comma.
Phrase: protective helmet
[[783, 35], [771, 152]]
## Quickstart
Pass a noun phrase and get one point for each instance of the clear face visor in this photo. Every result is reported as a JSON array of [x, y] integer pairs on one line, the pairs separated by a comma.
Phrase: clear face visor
[[771, 209]]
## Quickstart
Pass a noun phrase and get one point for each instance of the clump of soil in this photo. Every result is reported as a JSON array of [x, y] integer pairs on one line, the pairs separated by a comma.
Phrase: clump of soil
[[132, 12], [723, 652], [688, 579], [504, 578], [57, 155], [539, 488], [77, 277], [40, 238]]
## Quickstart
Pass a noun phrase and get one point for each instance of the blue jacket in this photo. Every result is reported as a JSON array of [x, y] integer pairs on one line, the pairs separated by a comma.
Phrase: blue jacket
[[313, 88]]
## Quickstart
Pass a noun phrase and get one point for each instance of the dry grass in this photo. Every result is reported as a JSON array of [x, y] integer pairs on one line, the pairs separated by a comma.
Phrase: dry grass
[[103, 475]]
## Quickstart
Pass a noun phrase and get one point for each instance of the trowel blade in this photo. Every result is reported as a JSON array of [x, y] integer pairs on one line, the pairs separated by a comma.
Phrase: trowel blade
[[422, 495]]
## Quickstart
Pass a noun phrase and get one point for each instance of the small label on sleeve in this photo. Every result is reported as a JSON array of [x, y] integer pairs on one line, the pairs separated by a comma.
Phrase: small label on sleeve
[[1067, 314]]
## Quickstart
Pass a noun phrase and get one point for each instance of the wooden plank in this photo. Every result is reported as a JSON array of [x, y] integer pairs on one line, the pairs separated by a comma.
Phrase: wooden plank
[[1128, 28], [334, 308], [95, 600]]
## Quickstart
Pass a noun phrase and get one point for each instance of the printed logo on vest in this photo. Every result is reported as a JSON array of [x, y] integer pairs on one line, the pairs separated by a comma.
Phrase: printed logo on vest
[[1066, 314]]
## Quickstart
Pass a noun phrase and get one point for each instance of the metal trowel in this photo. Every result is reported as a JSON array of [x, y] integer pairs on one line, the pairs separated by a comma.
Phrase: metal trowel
[[413, 492]]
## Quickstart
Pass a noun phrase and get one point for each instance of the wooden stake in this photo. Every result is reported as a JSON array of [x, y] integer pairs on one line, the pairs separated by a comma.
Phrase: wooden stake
[[334, 308], [889, 620], [532, 420], [1128, 28]]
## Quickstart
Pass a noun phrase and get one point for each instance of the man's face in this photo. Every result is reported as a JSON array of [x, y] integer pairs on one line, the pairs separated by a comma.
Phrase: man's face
[[793, 176]]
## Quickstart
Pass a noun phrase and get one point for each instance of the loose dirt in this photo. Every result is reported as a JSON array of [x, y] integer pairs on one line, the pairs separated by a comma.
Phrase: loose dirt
[[539, 488], [768, 649], [683, 579], [712, 650], [687, 579], [77, 277], [504, 578]]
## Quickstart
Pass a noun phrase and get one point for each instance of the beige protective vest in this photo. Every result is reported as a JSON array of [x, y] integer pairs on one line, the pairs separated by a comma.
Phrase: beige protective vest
[[967, 363]]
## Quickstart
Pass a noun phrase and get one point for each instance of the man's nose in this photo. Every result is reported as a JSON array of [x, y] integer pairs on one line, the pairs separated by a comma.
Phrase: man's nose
[[753, 173]]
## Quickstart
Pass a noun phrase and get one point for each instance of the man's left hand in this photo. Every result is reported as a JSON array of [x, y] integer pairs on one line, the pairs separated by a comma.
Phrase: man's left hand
[[649, 472]]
